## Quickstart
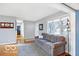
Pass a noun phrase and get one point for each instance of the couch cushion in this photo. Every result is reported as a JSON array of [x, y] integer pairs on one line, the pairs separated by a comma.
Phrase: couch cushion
[[60, 38], [53, 38], [45, 36], [57, 38], [47, 47]]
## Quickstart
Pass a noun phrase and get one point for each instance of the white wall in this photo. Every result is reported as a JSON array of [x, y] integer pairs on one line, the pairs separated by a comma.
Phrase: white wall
[[29, 29], [8, 35], [44, 22], [72, 34]]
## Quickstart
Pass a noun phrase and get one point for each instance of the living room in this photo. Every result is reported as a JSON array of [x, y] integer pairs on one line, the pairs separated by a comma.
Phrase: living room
[[48, 24], [32, 22]]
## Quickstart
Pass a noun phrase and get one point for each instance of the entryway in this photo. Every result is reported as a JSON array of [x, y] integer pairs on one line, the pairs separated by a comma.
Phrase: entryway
[[20, 31]]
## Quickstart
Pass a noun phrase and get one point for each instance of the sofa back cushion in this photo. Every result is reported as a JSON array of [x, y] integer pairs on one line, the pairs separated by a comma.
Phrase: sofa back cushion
[[60, 38], [51, 38], [57, 38], [44, 36]]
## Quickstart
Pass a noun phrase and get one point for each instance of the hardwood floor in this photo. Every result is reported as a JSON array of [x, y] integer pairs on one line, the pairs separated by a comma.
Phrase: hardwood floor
[[8, 50], [28, 41]]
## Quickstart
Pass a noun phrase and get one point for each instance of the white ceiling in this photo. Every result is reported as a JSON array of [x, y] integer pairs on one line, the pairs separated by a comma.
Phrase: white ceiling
[[25, 11], [73, 5]]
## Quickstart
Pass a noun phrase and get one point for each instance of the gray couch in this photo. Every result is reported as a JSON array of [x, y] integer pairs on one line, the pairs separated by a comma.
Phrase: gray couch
[[51, 44]]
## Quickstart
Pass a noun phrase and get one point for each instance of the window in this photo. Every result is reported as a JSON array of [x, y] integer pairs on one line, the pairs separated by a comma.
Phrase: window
[[58, 26], [54, 27]]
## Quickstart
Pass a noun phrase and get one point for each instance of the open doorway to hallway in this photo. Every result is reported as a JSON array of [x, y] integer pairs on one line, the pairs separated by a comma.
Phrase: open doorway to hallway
[[20, 31]]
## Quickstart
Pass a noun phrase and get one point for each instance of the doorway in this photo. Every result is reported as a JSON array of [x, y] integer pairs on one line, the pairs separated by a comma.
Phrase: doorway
[[20, 31]]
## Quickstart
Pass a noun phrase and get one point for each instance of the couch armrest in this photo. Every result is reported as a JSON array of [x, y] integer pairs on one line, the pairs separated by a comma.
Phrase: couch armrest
[[58, 48], [59, 44]]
